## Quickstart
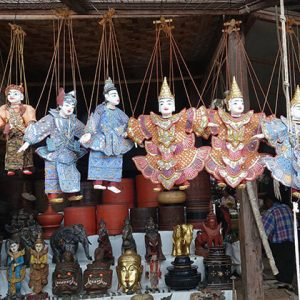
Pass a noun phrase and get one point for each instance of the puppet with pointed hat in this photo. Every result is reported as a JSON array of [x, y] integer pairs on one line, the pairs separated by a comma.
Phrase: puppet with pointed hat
[[285, 166], [62, 150], [172, 158], [14, 118], [234, 158], [105, 136]]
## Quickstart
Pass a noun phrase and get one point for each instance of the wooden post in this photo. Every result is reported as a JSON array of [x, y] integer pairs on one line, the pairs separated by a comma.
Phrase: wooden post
[[250, 243]]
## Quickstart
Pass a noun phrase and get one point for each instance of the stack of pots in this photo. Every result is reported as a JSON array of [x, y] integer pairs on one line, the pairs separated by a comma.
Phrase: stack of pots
[[198, 199]]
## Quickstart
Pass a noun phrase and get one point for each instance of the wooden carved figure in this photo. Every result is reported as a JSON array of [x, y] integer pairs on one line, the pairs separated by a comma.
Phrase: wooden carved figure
[[172, 158], [15, 117]]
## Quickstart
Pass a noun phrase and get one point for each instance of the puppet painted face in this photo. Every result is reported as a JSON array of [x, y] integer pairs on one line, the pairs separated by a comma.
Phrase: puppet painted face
[[166, 106], [38, 247], [112, 97], [14, 96], [14, 247], [295, 112], [236, 106], [67, 108]]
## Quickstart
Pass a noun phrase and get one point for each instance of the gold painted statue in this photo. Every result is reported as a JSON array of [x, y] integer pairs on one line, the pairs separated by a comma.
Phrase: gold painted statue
[[129, 271], [182, 238]]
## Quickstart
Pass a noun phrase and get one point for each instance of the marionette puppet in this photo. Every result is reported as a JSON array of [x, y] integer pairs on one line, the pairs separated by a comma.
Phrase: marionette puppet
[[14, 118], [172, 159], [234, 158], [16, 269], [285, 166], [62, 150], [106, 137]]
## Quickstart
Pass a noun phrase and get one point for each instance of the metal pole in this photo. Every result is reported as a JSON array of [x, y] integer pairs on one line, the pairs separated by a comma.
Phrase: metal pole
[[295, 211]]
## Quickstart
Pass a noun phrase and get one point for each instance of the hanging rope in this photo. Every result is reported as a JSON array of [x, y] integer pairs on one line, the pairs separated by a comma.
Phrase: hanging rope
[[109, 62], [15, 60]]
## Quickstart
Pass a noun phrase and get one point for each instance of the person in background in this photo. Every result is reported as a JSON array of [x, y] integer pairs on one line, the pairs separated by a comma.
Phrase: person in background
[[278, 224]]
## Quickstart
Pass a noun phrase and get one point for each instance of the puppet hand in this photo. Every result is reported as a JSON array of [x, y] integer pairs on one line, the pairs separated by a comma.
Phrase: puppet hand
[[210, 124], [125, 135], [85, 138], [258, 136], [23, 147]]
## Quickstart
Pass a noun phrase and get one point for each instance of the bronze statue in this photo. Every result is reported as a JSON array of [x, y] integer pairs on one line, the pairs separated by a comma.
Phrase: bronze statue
[[39, 269], [97, 277], [104, 243], [129, 271], [209, 236], [153, 241], [128, 242], [67, 276], [182, 238]]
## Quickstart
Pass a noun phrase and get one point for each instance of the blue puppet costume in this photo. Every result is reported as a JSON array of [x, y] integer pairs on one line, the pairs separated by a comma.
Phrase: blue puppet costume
[[16, 269], [106, 138], [285, 166], [62, 150]]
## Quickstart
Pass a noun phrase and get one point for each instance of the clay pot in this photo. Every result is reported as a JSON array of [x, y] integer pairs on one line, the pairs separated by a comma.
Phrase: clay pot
[[50, 221], [168, 216], [171, 197], [85, 215], [139, 217], [146, 196], [113, 215], [126, 196]]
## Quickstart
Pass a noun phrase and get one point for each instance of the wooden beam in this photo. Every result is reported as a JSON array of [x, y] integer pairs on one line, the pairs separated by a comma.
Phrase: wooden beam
[[257, 5], [270, 16], [75, 6]]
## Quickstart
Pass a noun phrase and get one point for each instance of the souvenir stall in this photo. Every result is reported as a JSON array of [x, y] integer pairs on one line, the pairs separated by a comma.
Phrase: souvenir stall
[[147, 184]]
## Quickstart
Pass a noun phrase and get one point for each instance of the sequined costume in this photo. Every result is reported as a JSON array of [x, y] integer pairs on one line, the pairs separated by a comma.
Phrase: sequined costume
[[61, 151], [234, 157], [285, 166], [108, 144], [172, 158], [14, 119]]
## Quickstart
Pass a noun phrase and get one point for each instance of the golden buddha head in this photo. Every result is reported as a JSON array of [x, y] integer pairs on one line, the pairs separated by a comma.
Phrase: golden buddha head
[[295, 105], [234, 100], [129, 271], [166, 100]]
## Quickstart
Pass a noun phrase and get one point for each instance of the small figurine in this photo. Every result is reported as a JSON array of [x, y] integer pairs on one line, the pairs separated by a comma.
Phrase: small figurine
[[172, 158], [153, 241], [15, 117], [106, 136], [142, 297], [104, 243], [210, 234], [16, 269], [285, 166], [182, 238], [128, 242], [129, 271], [67, 276], [68, 238], [39, 269], [62, 150], [155, 273], [234, 158], [97, 277]]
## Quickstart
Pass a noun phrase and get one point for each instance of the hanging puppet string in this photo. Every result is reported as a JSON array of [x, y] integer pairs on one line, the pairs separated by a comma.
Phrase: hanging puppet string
[[16, 57]]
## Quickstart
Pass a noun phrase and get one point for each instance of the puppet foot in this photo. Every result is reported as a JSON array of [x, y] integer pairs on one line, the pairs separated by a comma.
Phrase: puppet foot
[[241, 186], [11, 173], [55, 198], [99, 187], [296, 194], [221, 184], [73, 197], [157, 188], [184, 186], [114, 189], [27, 172]]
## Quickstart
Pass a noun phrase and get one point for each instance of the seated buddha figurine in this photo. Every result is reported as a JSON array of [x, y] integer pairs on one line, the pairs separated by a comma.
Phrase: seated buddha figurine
[[172, 158]]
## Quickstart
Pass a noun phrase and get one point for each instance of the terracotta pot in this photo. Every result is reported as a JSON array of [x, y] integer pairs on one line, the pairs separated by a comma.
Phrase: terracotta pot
[[50, 221], [168, 216], [126, 196], [139, 217], [113, 215], [171, 197], [146, 196], [85, 215]]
